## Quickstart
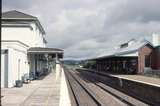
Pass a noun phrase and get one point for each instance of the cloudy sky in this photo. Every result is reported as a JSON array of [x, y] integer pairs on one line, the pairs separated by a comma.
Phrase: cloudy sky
[[87, 28]]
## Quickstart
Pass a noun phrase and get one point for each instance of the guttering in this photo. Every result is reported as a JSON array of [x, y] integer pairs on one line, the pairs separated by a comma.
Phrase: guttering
[[15, 41], [17, 25], [45, 52]]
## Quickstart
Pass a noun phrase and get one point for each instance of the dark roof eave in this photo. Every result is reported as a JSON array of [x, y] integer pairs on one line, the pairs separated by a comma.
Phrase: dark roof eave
[[101, 57], [42, 50], [4, 18], [34, 52], [106, 57]]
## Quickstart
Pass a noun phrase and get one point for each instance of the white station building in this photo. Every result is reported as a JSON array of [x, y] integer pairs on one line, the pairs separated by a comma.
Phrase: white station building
[[23, 49]]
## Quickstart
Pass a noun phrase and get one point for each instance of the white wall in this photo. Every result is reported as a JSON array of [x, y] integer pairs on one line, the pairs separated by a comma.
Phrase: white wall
[[16, 52], [31, 36]]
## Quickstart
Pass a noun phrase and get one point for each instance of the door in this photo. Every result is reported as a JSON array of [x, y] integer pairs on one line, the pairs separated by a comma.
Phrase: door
[[147, 63], [4, 68]]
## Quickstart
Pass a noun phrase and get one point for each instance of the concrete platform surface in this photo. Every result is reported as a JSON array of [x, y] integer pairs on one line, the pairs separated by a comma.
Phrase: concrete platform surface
[[138, 78], [142, 79], [45, 92]]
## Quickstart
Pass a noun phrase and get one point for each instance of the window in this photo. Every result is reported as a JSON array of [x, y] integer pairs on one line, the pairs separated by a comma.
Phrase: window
[[124, 45]]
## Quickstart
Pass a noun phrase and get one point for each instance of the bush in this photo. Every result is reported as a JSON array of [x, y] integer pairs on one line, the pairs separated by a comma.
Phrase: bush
[[90, 64]]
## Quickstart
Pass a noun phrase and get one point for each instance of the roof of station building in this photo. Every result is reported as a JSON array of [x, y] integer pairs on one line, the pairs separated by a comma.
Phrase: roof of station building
[[131, 48], [14, 15], [44, 50]]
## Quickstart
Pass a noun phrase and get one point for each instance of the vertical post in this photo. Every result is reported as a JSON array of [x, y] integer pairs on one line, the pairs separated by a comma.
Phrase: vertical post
[[57, 61], [48, 61], [58, 67], [19, 69], [35, 63]]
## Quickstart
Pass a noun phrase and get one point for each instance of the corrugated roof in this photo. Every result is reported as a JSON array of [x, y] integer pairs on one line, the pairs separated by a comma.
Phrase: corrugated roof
[[134, 47], [107, 53]]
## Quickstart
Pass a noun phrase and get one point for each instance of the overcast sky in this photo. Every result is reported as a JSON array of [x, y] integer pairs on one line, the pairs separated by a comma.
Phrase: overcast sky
[[87, 28]]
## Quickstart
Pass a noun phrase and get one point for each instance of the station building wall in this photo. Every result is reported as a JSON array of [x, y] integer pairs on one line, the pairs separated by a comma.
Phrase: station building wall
[[156, 58], [17, 63], [153, 61], [17, 40], [29, 35], [144, 52]]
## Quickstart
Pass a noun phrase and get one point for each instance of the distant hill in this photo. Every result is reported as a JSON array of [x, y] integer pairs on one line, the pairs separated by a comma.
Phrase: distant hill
[[71, 62]]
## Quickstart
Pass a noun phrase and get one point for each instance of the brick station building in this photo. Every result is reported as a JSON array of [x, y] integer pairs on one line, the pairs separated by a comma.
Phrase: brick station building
[[134, 56]]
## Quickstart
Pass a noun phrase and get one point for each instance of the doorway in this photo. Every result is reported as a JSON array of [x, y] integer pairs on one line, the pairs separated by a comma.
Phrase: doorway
[[4, 68]]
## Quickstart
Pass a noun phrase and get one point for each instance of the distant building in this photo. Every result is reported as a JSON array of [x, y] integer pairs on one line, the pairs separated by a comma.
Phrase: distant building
[[134, 56], [23, 47]]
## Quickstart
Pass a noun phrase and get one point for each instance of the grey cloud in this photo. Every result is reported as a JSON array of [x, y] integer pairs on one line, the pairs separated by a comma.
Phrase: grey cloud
[[89, 27], [16, 4], [134, 10]]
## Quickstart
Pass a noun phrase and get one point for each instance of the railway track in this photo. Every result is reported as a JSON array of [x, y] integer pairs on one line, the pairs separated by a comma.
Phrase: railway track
[[116, 84], [82, 95], [98, 93]]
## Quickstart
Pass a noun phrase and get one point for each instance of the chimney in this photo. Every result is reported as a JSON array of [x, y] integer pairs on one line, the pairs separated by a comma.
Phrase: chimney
[[156, 39]]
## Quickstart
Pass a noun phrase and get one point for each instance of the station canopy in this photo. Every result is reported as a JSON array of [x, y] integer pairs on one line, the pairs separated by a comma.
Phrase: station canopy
[[44, 50]]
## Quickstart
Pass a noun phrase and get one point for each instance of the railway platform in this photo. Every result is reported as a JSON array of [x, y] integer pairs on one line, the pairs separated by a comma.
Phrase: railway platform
[[44, 92], [137, 78], [142, 79]]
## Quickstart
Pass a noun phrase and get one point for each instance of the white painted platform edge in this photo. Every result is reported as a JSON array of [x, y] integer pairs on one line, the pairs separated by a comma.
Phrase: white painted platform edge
[[64, 94]]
